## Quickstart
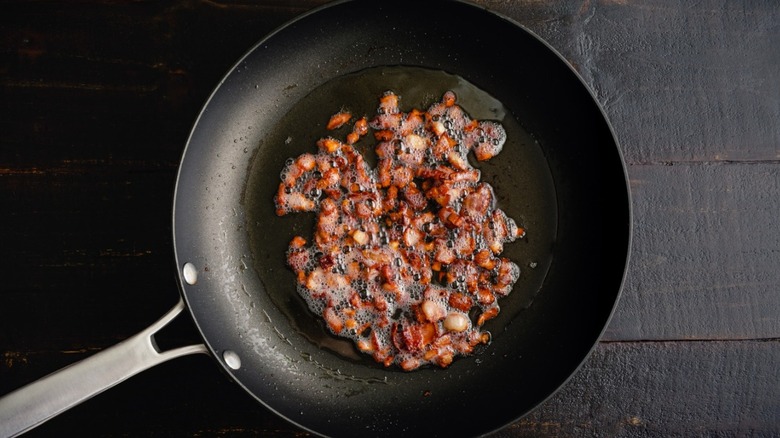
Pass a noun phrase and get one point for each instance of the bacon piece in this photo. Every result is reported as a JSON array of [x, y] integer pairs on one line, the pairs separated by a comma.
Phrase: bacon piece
[[489, 141], [329, 145], [382, 236], [477, 204], [414, 337], [359, 129], [338, 120], [461, 301]]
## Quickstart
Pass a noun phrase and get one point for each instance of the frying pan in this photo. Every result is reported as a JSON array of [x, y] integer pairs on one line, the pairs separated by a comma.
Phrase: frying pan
[[561, 176]]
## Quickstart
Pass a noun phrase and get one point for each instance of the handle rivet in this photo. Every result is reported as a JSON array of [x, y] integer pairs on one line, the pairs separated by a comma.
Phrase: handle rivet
[[190, 273], [232, 359]]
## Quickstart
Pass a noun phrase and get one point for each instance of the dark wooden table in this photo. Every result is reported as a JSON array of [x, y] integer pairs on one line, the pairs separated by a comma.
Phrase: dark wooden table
[[97, 99]]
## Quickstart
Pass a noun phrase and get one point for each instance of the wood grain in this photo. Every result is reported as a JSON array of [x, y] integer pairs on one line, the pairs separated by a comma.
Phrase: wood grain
[[705, 253], [96, 102], [713, 388], [666, 389], [679, 81]]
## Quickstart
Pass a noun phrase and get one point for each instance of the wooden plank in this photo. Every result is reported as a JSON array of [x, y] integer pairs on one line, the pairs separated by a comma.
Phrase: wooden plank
[[714, 97], [666, 389], [680, 81], [136, 92], [67, 178], [704, 259], [85, 251], [705, 253], [624, 389]]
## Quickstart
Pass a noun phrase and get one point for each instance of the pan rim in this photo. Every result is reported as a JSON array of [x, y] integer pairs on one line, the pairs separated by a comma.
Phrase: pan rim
[[236, 66]]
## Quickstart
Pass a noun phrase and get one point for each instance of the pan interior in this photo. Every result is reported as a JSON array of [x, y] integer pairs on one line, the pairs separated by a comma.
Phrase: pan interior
[[569, 190], [519, 175]]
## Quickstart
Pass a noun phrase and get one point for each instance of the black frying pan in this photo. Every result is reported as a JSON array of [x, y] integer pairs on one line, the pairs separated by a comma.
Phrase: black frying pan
[[560, 175]]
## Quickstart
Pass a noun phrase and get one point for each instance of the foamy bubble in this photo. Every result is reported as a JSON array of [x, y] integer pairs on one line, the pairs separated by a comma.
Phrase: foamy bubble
[[369, 285]]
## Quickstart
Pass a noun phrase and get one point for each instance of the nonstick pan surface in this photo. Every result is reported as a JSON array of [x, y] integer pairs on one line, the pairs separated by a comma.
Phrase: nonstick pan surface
[[560, 175]]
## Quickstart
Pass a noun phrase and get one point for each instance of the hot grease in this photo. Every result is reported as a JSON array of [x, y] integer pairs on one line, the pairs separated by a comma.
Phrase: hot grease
[[405, 259]]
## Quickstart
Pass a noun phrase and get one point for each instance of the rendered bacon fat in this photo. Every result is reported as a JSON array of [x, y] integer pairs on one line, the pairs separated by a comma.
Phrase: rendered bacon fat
[[405, 258]]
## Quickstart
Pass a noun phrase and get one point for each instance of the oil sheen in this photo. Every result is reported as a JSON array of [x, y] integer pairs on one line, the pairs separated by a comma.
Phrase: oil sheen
[[520, 178]]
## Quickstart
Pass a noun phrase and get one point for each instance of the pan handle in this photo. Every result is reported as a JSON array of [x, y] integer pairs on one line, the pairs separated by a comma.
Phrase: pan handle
[[43, 399]]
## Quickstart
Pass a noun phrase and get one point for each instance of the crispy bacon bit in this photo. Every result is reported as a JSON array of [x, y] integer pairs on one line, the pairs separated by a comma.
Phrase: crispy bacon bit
[[404, 253], [461, 301], [361, 127], [329, 145], [338, 120], [490, 137], [448, 99], [484, 259], [490, 313], [358, 130]]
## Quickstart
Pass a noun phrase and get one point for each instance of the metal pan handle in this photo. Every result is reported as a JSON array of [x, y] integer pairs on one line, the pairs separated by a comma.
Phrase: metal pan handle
[[43, 399]]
